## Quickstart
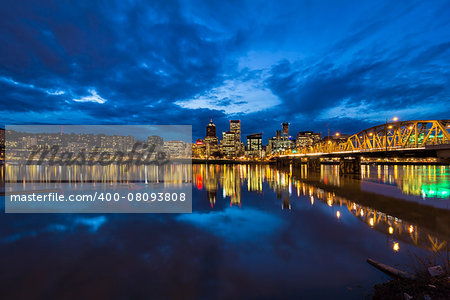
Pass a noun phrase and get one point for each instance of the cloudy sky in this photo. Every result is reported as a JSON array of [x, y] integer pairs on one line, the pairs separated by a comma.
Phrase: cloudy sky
[[348, 64]]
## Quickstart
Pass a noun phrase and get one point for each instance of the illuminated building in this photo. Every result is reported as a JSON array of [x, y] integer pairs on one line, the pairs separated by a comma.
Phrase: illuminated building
[[211, 129], [199, 149], [235, 127], [117, 142], [285, 129], [254, 144], [229, 144], [175, 149], [281, 142], [211, 140], [307, 138]]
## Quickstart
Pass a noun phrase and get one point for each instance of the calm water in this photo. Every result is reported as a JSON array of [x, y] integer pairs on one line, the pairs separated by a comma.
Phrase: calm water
[[255, 232]]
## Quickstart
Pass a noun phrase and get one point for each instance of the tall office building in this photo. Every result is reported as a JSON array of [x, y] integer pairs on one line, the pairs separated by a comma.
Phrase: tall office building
[[229, 144], [254, 145], [211, 140], [235, 127], [254, 142], [286, 129], [280, 142], [211, 129], [307, 138]]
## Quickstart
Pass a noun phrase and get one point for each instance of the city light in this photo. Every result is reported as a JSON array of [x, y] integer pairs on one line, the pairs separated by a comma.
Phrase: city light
[[338, 134], [395, 119], [396, 247]]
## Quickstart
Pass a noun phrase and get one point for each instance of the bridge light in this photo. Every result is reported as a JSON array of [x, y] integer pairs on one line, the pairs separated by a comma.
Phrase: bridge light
[[391, 230], [395, 119], [396, 247], [370, 133], [410, 127], [390, 126]]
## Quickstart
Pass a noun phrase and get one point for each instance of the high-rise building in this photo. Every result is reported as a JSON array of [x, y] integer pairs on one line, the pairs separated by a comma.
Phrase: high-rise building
[[307, 138], [211, 140], [254, 145], [254, 142], [286, 129], [155, 140], [278, 134], [235, 127], [281, 142], [229, 144], [199, 149], [211, 129]]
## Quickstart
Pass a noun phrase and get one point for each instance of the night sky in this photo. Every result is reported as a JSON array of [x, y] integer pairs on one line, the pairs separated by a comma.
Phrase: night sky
[[350, 64]]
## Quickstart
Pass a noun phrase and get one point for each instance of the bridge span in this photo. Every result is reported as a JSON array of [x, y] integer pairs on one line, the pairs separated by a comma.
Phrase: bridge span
[[403, 139]]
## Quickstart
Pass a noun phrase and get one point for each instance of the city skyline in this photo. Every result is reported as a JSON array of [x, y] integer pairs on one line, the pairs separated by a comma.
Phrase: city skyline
[[350, 66]]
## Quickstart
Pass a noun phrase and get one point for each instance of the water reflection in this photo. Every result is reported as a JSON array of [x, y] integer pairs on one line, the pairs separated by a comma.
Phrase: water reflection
[[113, 173], [255, 232], [232, 178], [426, 181]]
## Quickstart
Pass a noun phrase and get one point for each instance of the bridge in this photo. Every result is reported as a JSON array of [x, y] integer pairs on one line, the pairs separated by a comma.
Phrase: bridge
[[419, 138]]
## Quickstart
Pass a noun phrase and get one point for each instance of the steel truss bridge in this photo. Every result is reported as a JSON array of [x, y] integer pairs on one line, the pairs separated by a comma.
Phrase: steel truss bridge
[[404, 136]]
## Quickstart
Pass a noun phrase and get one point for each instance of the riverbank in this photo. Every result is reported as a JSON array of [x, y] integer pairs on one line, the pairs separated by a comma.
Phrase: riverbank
[[424, 287], [270, 162], [230, 162]]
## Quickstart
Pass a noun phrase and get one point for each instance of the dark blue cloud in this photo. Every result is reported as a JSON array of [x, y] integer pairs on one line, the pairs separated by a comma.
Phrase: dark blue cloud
[[120, 62]]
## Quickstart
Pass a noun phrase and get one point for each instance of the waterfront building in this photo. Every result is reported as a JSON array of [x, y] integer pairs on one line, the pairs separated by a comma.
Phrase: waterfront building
[[277, 145], [307, 138], [199, 149], [254, 145], [229, 144], [211, 141], [175, 149], [285, 128], [235, 127]]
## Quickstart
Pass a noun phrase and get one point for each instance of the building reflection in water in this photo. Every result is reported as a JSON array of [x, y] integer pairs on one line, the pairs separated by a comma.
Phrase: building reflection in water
[[429, 181], [168, 173], [231, 178]]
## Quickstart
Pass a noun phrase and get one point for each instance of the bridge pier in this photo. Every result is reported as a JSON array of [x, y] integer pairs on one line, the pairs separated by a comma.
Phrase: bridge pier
[[283, 162], [350, 165], [296, 162], [313, 164], [443, 156]]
